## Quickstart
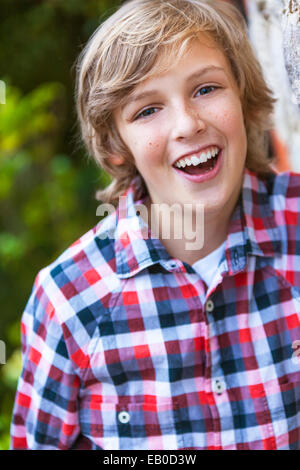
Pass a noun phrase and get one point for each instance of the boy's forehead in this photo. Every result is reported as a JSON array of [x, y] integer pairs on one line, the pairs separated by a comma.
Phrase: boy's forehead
[[169, 56], [199, 53]]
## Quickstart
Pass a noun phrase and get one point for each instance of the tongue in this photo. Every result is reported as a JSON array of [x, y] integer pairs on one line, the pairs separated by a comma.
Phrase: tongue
[[201, 168]]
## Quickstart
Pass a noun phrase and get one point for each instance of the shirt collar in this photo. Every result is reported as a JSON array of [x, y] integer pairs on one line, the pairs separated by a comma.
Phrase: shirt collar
[[135, 248], [252, 230]]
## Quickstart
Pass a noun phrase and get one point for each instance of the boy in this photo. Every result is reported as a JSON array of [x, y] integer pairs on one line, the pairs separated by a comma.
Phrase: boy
[[135, 341]]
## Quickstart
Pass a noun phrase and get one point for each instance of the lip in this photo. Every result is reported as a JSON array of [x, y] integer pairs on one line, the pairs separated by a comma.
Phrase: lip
[[206, 176], [198, 151]]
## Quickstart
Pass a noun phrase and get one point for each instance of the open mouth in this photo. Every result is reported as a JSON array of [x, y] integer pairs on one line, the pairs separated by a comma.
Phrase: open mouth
[[200, 168]]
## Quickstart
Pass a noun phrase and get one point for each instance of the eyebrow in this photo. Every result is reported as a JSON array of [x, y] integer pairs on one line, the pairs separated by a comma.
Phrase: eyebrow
[[146, 94]]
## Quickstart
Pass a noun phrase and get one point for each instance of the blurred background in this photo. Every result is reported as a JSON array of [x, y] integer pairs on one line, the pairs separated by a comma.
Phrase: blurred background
[[47, 181]]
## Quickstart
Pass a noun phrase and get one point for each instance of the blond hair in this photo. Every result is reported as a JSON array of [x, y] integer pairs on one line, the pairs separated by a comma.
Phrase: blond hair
[[124, 51]]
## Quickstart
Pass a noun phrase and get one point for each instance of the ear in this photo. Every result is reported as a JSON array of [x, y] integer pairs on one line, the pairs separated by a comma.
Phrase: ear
[[117, 159]]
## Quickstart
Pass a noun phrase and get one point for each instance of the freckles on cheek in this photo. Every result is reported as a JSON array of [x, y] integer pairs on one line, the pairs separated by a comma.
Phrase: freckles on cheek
[[152, 156], [153, 148], [229, 121]]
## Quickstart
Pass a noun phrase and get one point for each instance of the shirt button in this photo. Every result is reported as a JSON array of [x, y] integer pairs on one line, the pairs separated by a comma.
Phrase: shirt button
[[209, 306], [172, 265], [124, 417], [218, 386]]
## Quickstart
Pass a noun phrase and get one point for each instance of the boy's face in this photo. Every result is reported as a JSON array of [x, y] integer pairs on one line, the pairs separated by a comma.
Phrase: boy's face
[[187, 111]]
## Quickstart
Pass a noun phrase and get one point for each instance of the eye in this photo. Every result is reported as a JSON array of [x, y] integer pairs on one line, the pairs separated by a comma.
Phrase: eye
[[206, 90], [147, 112]]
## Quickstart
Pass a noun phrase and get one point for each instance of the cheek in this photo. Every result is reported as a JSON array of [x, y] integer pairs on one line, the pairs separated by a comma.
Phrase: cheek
[[231, 122], [152, 148], [148, 154], [146, 139], [228, 114]]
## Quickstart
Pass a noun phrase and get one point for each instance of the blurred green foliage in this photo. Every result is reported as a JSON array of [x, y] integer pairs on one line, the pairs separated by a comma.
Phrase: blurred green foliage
[[47, 184]]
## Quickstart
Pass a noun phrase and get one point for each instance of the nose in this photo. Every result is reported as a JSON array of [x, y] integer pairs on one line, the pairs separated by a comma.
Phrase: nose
[[186, 122]]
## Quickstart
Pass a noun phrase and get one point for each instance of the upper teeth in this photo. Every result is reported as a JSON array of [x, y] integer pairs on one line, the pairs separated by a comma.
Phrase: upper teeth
[[194, 160]]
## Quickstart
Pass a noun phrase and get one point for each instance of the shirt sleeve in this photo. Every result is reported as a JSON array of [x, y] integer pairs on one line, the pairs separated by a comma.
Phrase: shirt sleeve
[[45, 413]]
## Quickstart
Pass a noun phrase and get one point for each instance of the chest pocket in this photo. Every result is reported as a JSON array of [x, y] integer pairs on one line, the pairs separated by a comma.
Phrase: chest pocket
[[280, 310], [131, 425], [283, 405]]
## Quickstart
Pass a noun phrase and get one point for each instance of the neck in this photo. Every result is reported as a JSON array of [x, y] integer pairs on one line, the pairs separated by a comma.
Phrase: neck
[[190, 251], [189, 236]]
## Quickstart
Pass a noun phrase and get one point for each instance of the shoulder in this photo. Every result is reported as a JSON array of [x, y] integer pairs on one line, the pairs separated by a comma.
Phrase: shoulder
[[285, 203], [81, 275], [285, 185], [284, 193]]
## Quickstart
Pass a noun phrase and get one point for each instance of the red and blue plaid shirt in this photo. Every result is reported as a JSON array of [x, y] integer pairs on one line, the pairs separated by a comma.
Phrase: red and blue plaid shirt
[[124, 347]]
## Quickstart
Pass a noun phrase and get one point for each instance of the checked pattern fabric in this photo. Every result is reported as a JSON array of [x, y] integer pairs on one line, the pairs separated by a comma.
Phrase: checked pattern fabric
[[124, 347]]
